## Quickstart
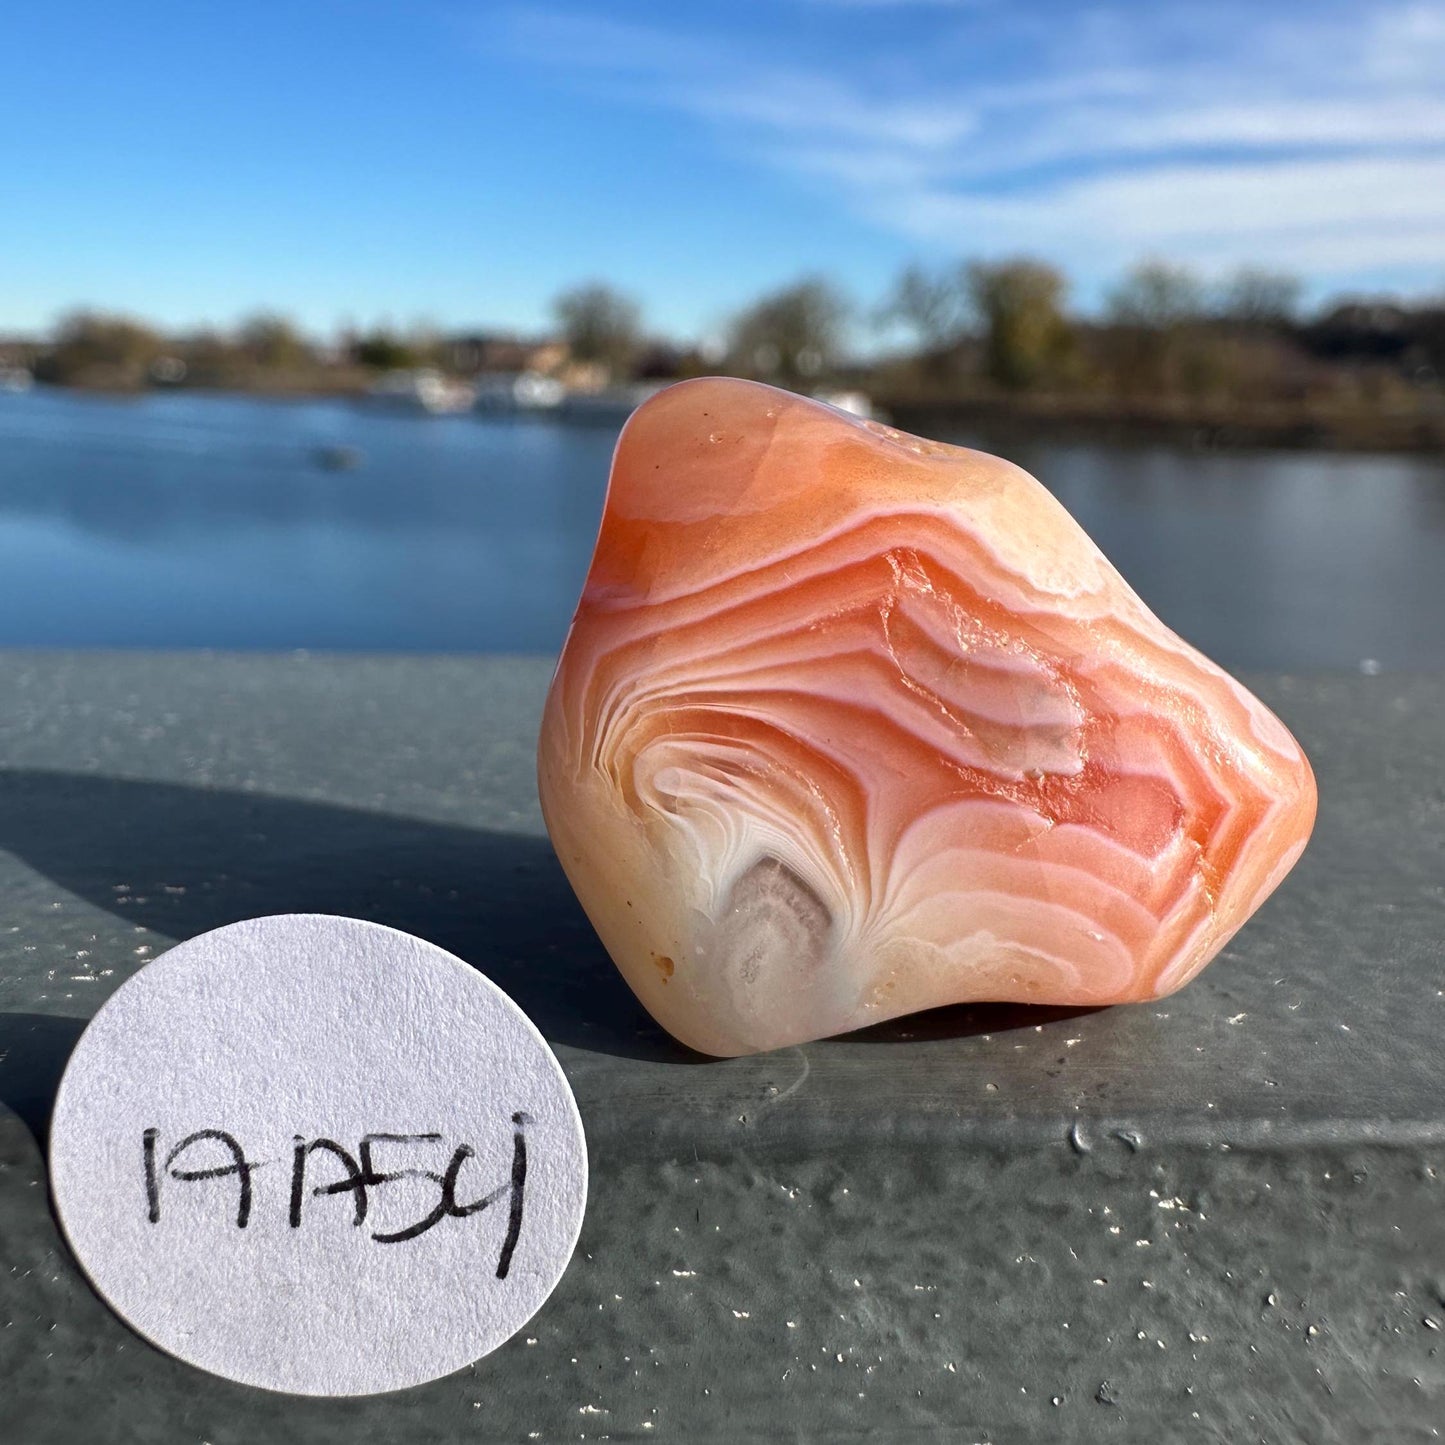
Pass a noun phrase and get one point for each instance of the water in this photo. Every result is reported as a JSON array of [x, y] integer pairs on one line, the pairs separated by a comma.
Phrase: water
[[195, 521]]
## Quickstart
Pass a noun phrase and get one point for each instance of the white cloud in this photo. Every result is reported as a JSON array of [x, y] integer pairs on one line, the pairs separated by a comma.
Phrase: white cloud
[[1327, 215], [1406, 44], [715, 83], [1315, 142], [1267, 124], [800, 104]]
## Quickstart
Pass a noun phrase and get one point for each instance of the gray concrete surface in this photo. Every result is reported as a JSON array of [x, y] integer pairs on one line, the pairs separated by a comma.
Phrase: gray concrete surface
[[1218, 1218]]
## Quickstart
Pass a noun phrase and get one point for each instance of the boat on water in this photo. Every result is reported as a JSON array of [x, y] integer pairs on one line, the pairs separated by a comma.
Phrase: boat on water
[[15, 379], [531, 393], [855, 403], [337, 457], [422, 389], [518, 392], [611, 406]]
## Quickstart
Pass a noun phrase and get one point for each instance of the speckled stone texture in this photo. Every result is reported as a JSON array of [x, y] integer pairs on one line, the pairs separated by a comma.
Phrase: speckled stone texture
[[1217, 1218]]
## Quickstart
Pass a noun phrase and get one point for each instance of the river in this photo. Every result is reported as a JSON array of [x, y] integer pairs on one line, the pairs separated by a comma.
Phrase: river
[[185, 520]]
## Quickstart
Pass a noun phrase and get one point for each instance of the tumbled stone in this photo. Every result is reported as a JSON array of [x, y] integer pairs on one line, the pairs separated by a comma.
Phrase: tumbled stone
[[850, 724]]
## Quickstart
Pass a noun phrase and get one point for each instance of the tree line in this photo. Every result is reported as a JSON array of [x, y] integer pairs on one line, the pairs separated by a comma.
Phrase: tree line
[[970, 329]]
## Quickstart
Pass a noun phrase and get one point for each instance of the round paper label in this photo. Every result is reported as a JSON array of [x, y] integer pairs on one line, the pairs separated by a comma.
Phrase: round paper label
[[317, 1155]]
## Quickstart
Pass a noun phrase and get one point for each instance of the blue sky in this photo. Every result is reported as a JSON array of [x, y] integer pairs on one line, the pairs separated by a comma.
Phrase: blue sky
[[430, 159]]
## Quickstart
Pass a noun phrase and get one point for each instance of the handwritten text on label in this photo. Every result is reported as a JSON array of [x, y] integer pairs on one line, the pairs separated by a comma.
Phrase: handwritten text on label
[[361, 1177]]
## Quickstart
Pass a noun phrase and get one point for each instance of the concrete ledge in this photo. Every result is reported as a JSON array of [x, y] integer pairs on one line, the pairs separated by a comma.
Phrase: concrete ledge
[[1219, 1217]]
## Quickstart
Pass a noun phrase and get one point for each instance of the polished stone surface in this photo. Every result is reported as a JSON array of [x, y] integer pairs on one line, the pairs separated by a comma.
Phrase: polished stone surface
[[883, 1233], [850, 724]]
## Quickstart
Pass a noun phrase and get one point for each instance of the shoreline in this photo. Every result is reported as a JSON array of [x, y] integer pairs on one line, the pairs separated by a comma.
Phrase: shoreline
[[1198, 427], [1112, 420]]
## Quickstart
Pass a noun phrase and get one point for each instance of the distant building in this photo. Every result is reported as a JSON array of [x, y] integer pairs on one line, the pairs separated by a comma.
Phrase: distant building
[[474, 353]]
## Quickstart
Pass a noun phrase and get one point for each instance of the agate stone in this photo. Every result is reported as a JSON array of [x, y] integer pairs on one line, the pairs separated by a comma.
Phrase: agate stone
[[850, 724]]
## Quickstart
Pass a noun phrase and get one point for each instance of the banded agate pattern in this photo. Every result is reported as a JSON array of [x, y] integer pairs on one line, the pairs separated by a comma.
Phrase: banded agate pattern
[[850, 724]]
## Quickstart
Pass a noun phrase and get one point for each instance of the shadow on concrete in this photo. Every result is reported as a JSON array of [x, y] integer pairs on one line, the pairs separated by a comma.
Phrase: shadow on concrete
[[965, 1021], [178, 861], [181, 860], [33, 1053]]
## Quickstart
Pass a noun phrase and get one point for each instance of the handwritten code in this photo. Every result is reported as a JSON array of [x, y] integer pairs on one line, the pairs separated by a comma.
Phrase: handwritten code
[[192, 1159]]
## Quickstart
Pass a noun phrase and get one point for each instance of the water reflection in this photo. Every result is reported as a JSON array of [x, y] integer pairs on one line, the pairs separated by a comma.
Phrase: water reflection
[[204, 521], [1270, 560]]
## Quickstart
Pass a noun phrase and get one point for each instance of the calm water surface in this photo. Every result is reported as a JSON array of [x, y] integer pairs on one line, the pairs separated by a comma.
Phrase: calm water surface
[[180, 521]]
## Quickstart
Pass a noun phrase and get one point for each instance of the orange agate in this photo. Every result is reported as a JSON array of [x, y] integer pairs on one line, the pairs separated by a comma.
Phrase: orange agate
[[850, 724]]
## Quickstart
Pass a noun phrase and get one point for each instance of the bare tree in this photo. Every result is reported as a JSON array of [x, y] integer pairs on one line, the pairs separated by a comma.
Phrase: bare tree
[[599, 325], [1019, 304], [272, 341], [1161, 343], [933, 305], [793, 335], [1156, 295], [1256, 296], [96, 348]]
